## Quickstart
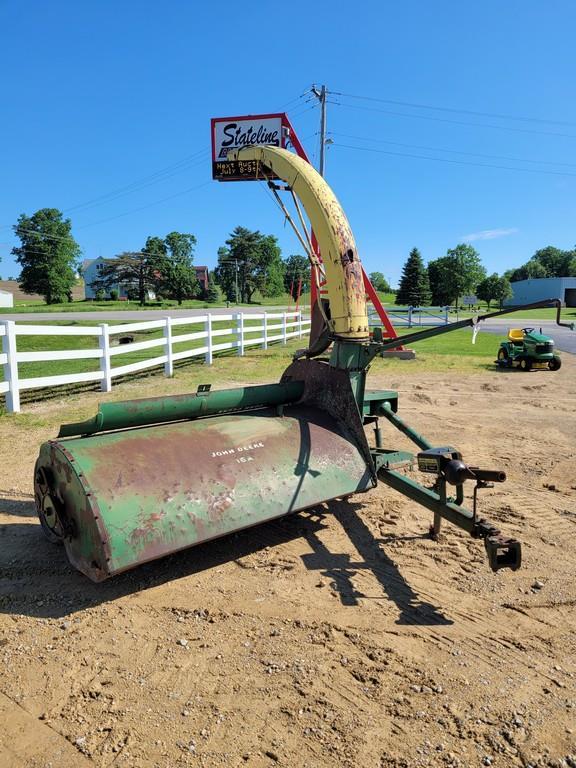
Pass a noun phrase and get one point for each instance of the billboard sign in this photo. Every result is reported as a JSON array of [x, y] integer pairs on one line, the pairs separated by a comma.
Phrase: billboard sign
[[246, 131]]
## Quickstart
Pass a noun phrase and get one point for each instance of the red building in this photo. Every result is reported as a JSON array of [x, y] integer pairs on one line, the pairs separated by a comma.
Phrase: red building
[[202, 275]]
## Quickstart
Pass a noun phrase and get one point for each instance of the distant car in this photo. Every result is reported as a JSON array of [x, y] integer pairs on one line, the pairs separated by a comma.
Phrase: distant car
[[528, 349]]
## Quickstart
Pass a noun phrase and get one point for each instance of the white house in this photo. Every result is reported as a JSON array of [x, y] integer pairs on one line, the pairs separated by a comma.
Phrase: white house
[[91, 269], [6, 299]]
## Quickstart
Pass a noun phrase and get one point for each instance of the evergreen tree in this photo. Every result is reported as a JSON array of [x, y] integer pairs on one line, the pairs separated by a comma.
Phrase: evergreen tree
[[213, 293], [414, 289]]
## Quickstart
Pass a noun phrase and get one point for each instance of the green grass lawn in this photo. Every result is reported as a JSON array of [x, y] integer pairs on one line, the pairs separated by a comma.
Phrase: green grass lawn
[[92, 305]]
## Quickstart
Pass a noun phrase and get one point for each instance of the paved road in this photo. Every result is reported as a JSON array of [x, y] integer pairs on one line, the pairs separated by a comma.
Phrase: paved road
[[565, 338], [137, 314]]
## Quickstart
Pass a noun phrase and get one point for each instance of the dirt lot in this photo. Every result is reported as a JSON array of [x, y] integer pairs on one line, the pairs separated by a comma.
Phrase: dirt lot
[[338, 637]]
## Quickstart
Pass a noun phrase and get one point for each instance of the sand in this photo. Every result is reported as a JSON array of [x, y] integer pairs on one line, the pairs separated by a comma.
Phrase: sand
[[342, 636]]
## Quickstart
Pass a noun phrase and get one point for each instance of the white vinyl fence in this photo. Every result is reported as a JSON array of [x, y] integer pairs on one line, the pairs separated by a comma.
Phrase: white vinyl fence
[[111, 342]]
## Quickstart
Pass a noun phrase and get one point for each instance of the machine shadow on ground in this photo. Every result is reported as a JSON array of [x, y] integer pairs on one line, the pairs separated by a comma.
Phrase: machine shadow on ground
[[17, 507], [38, 581], [341, 569]]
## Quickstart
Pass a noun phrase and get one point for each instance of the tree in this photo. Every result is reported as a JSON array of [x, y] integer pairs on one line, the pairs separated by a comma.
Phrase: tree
[[494, 288], [226, 274], [414, 288], [556, 262], [379, 282], [437, 275], [296, 271], [212, 292], [270, 280], [177, 275], [531, 270], [455, 274], [546, 262], [251, 261], [503, 290], [466, 270], [48, 255], [138, 270]]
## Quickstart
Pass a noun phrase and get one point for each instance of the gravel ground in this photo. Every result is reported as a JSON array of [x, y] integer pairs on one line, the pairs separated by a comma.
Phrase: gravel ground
[[342, 636]]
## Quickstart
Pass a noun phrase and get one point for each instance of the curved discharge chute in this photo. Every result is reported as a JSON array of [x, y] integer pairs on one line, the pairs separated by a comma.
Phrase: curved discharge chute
[[344, 280]]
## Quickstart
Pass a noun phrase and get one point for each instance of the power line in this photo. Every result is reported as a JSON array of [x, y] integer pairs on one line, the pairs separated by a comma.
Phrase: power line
[[459, 122], [303, 111], [452, 151], [149, 205], [456, 162], [147, 181], [144, 182], [292, 101], [456, 110], [120, 215]]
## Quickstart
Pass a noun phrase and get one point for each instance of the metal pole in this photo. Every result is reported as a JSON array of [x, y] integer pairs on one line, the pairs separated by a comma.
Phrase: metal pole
[[321, 96], [322, 128]]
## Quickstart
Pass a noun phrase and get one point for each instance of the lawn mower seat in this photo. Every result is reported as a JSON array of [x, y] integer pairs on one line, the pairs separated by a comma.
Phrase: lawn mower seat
[[516, 335]]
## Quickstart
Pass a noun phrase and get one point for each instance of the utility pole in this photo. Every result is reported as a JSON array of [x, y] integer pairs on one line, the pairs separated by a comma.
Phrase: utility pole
[[321, 96]]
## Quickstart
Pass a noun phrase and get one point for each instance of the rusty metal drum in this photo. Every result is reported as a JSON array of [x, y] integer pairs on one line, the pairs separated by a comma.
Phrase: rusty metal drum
[[122, 498]]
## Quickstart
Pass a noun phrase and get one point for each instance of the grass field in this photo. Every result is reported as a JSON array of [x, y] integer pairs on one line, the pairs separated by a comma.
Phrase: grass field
[[92, 305], [89, 305]]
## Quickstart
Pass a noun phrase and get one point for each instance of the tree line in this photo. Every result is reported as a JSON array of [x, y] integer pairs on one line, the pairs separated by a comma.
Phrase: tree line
[[251, 262], [447, 279], [444, 281]]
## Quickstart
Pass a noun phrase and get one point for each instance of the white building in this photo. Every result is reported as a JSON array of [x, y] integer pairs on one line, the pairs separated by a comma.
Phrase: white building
[[542, 288], [91, 269], [6, 299]]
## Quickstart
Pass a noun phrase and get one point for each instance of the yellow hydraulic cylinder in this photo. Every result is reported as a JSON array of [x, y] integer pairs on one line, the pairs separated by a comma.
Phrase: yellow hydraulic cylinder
[[344, 279]]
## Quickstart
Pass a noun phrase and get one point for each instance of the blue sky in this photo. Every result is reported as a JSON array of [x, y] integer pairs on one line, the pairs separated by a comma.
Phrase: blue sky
[[106, 111]]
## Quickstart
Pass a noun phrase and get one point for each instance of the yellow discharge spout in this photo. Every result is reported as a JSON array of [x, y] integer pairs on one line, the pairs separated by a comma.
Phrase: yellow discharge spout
[[344, 279]]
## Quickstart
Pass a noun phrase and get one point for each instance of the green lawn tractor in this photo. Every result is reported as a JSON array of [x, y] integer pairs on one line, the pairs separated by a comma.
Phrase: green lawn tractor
[[528, 350]]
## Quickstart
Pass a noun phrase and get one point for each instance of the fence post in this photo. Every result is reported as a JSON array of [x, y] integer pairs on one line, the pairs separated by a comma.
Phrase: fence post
[[208, 329], [284, 337], [299, 323], [11, 367], [445, 315], [169, 364], [265, 345], [105, 367], [240, 332], [410, 317]]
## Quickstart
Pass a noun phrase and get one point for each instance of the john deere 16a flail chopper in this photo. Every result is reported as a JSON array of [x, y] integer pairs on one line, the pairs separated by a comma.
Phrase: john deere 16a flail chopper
[[146, 478]]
